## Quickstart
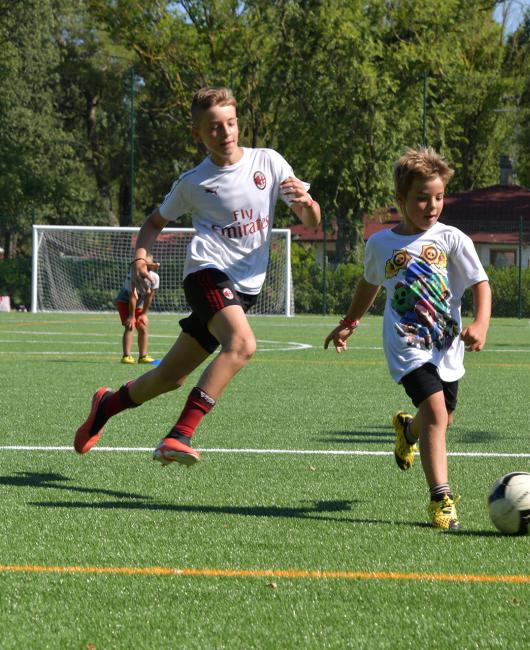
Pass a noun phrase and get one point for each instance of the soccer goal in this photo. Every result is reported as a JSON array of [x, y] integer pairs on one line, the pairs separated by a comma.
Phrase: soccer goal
[[82, 268]]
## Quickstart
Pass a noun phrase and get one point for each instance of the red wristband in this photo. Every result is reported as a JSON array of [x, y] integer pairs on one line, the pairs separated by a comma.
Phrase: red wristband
[[350, 324]]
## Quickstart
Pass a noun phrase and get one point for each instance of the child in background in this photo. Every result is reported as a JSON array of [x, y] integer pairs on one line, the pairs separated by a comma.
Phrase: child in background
[[425, 267], [133, 305]]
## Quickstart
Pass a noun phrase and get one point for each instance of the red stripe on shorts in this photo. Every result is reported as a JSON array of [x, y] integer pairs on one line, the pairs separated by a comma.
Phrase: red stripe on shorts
[[213, 295]]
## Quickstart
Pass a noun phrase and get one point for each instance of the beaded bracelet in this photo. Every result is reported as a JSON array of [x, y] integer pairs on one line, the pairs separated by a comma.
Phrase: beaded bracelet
[[350, 324]]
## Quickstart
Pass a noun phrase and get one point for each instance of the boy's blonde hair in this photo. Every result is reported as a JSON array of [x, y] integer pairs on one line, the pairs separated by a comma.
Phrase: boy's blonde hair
[[207, 97], [423, 163]]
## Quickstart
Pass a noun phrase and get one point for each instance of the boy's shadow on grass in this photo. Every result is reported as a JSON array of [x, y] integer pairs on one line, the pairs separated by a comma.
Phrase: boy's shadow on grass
[[54, 482], [319, 511], [316, 510], [368, 435]]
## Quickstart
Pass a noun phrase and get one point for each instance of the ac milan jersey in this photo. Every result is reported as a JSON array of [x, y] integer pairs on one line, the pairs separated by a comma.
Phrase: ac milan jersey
[[232, 210], [425, 276]]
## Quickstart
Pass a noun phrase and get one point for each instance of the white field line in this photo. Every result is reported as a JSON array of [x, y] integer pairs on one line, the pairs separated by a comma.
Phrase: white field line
[[84, 338], [296, 452], [292, 345]]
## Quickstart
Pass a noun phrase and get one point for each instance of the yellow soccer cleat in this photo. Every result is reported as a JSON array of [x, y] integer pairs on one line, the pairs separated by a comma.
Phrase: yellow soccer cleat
[[443, 513], [127, 359], [404, 451], [145, 359]]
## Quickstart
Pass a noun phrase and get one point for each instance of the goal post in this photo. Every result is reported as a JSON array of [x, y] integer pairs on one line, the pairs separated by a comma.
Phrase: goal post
[[82, 269]]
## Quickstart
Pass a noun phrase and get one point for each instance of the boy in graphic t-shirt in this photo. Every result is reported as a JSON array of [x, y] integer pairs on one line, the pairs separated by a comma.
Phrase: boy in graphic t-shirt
[[425, 267], [231, 196]]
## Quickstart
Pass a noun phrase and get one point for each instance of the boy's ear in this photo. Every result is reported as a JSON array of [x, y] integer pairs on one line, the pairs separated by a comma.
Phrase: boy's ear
[[195, 134]]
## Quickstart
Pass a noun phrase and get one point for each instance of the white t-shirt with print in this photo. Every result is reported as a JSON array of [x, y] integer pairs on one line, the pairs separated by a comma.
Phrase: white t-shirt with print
[[232, 211], [425, 276]]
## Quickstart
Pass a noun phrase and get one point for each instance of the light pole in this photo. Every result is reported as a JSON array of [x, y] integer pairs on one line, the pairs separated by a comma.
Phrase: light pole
[[424, 126], [132, 145]]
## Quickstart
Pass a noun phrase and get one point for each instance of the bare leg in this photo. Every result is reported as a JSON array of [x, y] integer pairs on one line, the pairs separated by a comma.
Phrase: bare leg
[[143, 337], [430, 424], [127, 340], [185, 355], [232, 329]]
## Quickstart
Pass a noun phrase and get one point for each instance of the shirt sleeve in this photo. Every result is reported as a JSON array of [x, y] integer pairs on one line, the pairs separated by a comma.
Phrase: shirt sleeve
[[282, 170], [470, 266], [372, 270], [175, 202]]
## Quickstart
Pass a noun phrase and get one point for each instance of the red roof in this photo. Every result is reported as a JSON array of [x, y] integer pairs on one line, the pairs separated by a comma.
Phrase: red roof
[[487, 215], [303, 233]]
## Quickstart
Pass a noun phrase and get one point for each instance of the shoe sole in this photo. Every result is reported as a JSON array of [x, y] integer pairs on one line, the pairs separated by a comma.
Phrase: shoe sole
[[452, 527], [165, 455], [83, 441], [175, 457]]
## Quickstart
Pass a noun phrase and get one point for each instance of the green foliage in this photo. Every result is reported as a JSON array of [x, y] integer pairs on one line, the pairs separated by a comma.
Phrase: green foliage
[[505, 290], [342, 279], [15, 280], [336, 87], [307, 280]]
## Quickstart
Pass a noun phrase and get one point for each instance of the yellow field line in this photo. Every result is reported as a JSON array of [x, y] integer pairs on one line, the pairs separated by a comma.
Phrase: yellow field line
[[268, 573]]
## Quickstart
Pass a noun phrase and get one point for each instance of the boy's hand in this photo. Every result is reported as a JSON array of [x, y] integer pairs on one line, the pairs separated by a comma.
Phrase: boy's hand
[[474, 336], [295, 191], [130, 322], [339, 337], [143, 320], [140, 276]]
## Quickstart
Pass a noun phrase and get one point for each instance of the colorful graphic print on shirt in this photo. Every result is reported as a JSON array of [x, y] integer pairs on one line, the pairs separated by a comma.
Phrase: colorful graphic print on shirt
[[421, 298]]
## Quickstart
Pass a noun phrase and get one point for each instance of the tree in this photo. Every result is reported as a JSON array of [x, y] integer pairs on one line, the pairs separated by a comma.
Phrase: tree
[[517, 65], [39, 170]]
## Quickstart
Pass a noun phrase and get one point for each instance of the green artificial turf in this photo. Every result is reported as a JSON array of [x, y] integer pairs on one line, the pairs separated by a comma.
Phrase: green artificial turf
[[284, 516]]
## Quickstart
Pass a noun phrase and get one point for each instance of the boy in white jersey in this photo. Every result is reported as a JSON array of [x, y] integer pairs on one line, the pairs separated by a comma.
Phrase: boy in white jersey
[[232, 196], [425, 267]]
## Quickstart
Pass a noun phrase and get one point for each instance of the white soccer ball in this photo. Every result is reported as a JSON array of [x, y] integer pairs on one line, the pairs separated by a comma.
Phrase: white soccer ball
[[509, 503]]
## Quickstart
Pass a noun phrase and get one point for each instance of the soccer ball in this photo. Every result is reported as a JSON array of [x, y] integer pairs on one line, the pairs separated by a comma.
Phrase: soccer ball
[[509, 503]]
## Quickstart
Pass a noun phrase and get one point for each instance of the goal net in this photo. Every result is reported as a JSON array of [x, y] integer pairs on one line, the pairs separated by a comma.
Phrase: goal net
[[82, 268]]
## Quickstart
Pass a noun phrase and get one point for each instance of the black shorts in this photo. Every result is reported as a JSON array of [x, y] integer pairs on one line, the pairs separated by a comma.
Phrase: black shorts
[[207, 292], [425, 381]]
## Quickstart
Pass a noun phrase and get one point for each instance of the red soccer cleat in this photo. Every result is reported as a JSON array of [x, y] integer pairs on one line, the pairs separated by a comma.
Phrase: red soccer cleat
[[171, 450], [84, 438]]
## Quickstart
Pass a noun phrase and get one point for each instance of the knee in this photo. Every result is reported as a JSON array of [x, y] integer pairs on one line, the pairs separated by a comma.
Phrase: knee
[[242, 347], [434, 413]]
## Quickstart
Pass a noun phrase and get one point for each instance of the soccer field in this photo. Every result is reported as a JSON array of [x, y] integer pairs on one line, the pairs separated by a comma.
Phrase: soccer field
[[297, 529]]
